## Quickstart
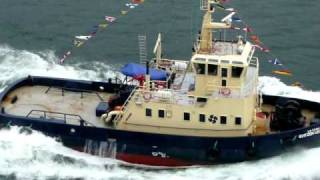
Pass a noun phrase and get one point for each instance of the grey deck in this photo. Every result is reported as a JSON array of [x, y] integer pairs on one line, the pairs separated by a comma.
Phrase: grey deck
[[40, 98]]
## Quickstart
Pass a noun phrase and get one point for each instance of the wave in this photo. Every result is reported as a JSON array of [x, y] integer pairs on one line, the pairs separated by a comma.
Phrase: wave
[[16, 64], [37, 156], [274, 86]]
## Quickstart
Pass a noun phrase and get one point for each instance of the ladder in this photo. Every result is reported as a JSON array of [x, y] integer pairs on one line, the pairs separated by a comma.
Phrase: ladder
[[142, 39], [204, 6]]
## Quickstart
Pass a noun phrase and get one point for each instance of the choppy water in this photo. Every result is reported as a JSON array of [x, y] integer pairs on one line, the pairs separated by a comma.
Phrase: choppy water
[[33, 34]]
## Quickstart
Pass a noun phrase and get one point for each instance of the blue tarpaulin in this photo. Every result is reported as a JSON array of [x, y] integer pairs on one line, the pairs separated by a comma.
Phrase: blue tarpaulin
[[135, 70]]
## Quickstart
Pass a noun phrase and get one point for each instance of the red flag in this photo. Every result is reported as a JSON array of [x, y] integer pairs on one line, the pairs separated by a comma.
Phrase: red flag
[[247, 29], [110, 18], [255, 39], [137, 1]]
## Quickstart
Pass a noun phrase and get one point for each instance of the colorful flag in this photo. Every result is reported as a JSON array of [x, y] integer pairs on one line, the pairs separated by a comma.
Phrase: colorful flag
[[104, 25], [247, 29], [110, 18], [64, 57], [137, 1], [230, 9], [93, 33], [235, 19], [85, 38], [283, 72], [255, 39], [132, 5], [124, 12], [275, 62], [236, 28], [224, 1], [264, 49]]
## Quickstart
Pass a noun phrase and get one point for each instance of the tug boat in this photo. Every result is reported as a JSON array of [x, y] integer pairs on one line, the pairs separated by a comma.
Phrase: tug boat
[[172, 113]]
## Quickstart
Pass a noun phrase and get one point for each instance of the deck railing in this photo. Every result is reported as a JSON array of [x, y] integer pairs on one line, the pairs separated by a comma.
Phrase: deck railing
[[81, 91], [57, 116]]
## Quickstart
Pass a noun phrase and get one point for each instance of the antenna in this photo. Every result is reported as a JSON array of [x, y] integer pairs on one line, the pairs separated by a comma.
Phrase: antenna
[[142, 39]]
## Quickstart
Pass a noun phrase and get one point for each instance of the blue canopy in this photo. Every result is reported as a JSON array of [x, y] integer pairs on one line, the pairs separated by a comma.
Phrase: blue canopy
[[134, 70]]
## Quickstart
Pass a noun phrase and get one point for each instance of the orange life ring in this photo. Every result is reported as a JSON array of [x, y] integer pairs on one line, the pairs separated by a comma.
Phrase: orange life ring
[[147, 95], [225, 91]]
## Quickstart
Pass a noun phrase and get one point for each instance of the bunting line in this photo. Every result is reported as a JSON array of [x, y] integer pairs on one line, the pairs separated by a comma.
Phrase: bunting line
[[80, 40], [258, 44]]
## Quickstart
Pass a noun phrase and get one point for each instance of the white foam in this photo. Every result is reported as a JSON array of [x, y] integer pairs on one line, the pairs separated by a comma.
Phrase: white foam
[[16, 64], [274, 86], [35, 156]]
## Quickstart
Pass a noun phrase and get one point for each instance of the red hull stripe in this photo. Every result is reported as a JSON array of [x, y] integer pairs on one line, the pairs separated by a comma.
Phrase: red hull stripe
[[151, 160]]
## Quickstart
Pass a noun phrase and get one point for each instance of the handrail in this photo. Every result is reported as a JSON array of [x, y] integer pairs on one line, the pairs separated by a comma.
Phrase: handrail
[[74, 90], [64, 118], [124, 109]]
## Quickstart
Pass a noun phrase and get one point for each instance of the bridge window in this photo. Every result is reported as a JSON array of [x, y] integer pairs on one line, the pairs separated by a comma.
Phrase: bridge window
[[186, 116], [224, 72], [223, 119], [236, 71], [238, 120], [161, 113], [202, 117], [212, 69], [200, 68], [148, 112]]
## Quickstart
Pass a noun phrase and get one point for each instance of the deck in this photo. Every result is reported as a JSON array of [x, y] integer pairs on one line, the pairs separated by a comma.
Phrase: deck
[[54, 101]]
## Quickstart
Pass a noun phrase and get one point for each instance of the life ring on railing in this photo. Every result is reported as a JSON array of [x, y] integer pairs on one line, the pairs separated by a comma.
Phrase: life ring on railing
[[147, 96], [225, 91]]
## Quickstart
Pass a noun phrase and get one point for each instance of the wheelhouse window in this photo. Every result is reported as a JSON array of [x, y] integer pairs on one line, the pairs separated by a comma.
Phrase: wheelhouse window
[[202, 117], [224, 72], [161, 113], [200, 68], [186, 116], [212, 69], [223, 119], [238, 120], [236, 71], [148, 112]]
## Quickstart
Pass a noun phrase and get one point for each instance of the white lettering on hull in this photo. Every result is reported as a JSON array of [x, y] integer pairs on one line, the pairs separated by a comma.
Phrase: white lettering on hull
[[309, 133]]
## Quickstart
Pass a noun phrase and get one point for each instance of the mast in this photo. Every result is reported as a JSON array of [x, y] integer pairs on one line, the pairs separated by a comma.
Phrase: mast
[[208, 26]]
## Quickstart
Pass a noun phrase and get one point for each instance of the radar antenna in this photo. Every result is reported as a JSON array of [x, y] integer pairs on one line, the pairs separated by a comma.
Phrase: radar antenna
[[206, 36]]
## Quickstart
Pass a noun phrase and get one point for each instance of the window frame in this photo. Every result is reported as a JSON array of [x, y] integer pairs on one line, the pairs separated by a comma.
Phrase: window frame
[[164, 113], [196, 64], [146, 112], [184, 116], [216, 72], [204, 118], [224, 122], [232, 72], [236, 122]]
